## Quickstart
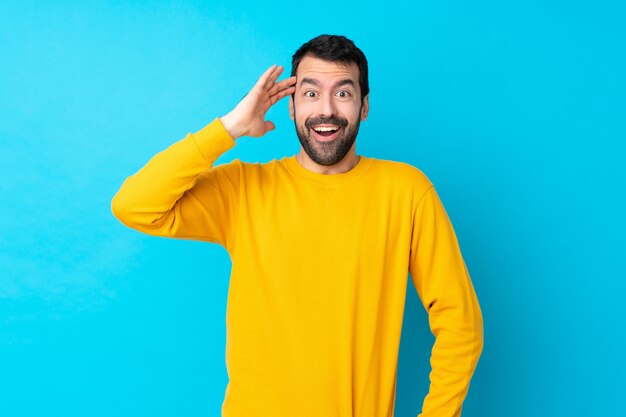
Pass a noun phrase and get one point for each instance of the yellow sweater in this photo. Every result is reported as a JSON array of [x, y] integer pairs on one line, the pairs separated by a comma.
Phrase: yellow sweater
[[319, 275]]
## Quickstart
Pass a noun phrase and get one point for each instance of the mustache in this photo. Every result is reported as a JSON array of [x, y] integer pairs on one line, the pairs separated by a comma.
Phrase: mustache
[[332, 120]]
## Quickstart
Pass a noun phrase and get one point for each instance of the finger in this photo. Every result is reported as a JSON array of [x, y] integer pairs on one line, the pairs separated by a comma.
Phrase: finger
[[263, 78], [282, 94], [269, 126], [273, 77], [287, 82]]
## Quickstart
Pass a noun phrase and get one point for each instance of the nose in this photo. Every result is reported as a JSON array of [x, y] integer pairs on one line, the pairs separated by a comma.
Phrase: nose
[[327, 106]]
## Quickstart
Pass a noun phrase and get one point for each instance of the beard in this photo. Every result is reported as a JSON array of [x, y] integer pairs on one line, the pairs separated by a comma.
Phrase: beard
[[327, 153]]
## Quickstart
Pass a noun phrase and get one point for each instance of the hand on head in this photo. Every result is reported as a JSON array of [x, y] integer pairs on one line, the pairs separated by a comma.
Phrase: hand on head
[[248, 117]]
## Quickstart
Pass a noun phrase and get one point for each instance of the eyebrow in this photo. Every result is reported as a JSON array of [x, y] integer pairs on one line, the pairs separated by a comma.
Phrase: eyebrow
[[316, 83]]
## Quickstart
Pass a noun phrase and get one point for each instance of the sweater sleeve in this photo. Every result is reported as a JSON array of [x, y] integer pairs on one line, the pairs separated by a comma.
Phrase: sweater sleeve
[[179, 193], [444, 286]]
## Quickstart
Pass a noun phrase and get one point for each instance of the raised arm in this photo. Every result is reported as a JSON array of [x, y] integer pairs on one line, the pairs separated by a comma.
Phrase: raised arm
[[179, 193], [446, 291]]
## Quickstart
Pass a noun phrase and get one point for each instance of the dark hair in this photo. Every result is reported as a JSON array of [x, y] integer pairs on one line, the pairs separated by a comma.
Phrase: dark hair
[[334, 48]]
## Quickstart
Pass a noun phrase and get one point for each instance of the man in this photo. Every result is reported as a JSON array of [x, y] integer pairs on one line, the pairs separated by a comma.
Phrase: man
[[321, 245]]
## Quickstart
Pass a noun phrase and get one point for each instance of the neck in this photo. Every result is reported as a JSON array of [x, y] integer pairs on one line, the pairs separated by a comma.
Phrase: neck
[[345, 165]]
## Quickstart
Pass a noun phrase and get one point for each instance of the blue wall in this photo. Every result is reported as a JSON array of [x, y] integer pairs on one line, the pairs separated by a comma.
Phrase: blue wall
[[515, 110]]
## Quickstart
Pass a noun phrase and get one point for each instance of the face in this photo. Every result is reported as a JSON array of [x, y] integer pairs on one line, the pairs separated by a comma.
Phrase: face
[[327, 109]]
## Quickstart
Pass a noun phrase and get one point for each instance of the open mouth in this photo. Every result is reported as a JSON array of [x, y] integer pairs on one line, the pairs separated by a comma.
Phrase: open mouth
[[326, 132]]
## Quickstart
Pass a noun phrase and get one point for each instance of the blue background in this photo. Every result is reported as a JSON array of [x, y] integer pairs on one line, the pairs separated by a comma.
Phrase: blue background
[[515, 110]]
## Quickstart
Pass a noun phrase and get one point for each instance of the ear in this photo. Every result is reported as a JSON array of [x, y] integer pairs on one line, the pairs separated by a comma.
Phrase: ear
[[291, 107], [365, 107]]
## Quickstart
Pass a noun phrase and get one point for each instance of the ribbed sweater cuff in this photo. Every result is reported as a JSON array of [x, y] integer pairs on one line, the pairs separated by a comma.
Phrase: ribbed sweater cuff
[[213, 140]]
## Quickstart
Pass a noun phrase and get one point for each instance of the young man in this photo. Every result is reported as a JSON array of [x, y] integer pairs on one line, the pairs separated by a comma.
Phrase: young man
[[321, 245]]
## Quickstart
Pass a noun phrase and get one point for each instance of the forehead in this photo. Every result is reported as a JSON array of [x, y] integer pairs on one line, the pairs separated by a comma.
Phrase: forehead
[[326, 71]]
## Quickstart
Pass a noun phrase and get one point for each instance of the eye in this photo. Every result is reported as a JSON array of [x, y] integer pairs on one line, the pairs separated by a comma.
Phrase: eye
[[343, 93], [310, 94]]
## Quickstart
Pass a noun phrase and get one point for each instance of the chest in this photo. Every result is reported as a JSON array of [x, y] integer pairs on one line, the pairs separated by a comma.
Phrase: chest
[[325, 225]]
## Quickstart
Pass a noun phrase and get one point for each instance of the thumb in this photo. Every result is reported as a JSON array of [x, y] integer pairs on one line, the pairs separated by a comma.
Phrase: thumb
[[269, 126]]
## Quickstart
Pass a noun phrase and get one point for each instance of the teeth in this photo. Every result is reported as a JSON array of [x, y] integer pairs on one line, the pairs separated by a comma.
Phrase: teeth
[[326, 129]]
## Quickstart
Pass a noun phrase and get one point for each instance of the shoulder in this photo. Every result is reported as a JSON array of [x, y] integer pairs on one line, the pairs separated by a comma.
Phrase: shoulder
[[257, 168], [248, 171], [402, 174]]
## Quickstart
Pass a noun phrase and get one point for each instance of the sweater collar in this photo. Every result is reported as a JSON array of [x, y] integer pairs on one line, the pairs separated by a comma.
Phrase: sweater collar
[[298, 170]]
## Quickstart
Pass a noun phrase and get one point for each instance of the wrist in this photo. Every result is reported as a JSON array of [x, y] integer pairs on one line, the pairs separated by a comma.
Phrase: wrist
[[232, 127]]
